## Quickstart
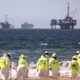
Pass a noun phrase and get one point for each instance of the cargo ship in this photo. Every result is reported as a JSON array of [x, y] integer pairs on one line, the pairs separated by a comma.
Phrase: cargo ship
[[26, 26]]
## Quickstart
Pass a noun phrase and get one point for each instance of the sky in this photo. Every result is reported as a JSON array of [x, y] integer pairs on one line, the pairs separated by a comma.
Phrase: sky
[[38, 12]]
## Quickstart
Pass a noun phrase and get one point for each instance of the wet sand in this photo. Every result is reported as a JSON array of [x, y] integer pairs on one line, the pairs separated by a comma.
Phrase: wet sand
[[60, 78]]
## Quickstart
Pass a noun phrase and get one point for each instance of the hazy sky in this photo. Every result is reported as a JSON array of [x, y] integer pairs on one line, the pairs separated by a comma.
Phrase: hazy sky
[[37, 12]]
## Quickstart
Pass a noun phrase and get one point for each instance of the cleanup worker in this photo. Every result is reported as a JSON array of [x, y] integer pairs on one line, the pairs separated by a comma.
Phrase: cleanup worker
[[79, 62], [4, 67], [76, 54], [9, 59], [73, 67], [42, 65], [22, 69], [9, 62], [54, 66]]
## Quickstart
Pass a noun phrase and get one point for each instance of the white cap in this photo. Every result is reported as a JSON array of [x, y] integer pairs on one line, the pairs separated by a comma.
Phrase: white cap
[[4, 54], [46, 52], [9, 53], [77, 51], [74, 57], [54, 54], [42, 56]]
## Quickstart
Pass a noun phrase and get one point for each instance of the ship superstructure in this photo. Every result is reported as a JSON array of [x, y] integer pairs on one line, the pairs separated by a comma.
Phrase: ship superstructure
[[26, 26]]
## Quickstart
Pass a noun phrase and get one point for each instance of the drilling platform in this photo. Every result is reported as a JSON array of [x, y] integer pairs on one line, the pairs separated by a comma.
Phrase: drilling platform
[[6, 24], [66, 23]]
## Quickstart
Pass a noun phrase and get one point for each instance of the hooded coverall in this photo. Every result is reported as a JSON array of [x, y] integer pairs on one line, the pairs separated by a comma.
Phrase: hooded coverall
[[42, 66], [4, 67], [22, 69]]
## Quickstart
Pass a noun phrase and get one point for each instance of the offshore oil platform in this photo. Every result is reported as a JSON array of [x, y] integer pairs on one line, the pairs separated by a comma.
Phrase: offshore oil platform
[[6, 24], [66, 23]]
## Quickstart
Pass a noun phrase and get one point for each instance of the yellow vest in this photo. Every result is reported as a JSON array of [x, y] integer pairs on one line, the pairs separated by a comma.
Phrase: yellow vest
[[78, 61], [73, 67], [22, 62], [42, 63], [3, 61], [54, 63]]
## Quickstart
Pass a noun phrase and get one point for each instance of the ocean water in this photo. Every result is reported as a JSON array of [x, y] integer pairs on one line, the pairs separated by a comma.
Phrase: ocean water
[[34, 42]]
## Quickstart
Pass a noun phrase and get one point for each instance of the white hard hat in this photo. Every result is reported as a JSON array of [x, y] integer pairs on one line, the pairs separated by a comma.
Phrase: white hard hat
[[54, 54]]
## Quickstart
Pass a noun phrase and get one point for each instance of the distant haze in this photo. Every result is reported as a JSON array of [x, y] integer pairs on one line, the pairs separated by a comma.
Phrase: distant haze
[[38, 12]]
